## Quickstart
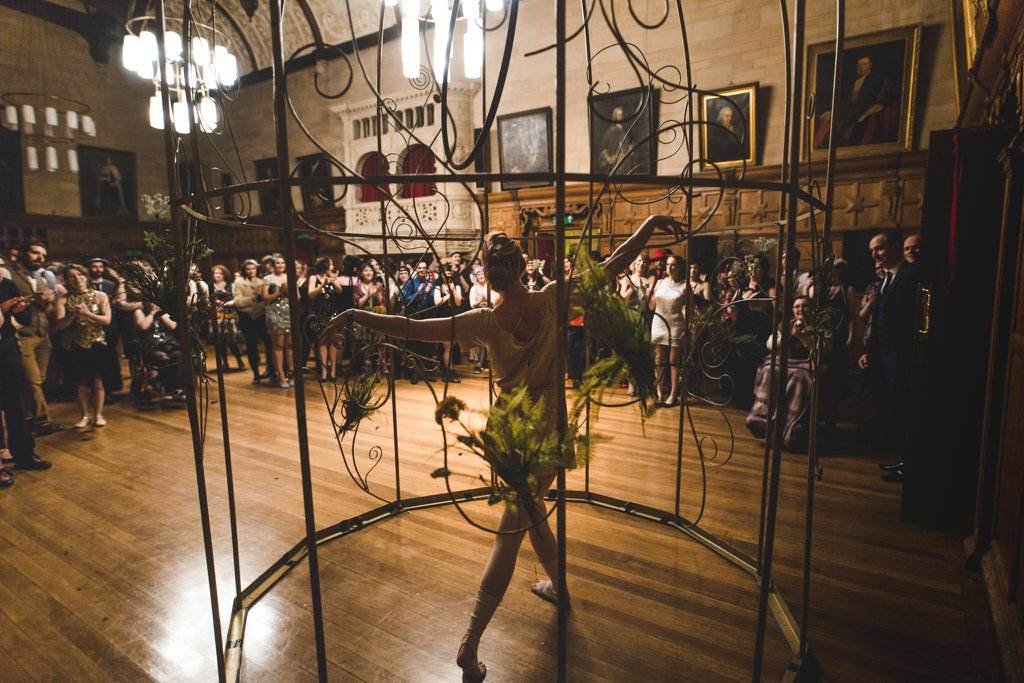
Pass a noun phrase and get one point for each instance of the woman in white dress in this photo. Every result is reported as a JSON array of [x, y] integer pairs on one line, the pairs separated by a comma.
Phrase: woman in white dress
[[521, 334], [668, 327]]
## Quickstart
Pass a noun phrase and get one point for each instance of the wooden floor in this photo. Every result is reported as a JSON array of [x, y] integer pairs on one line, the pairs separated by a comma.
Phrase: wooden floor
[[102, 574]]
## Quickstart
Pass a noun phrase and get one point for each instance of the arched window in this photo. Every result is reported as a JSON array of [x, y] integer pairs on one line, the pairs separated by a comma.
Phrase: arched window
[[418, 160], [372, 164]]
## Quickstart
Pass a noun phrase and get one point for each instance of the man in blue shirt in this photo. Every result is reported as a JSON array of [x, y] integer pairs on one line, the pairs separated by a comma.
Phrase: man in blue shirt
[[418, 294]]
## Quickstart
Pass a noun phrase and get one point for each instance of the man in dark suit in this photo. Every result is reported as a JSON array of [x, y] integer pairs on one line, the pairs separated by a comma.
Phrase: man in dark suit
[[888, 346]]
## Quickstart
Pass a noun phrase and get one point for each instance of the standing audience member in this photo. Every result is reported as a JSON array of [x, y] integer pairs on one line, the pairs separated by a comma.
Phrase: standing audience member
[[482, 296], [667, 328], [226, 318], [575, 338], [888, 350], [104, 281], [86, 314], [248, 300], [368, 295], [34, 329], [912, 249], [321, 290], [418, 294], [12, 375], [448, 302], [279, 323]]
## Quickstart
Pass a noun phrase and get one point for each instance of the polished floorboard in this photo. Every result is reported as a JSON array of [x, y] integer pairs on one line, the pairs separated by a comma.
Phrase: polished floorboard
[[103, 577]]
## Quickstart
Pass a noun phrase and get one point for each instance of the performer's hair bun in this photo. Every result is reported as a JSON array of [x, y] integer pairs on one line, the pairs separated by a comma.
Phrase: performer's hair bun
[[504, 262]]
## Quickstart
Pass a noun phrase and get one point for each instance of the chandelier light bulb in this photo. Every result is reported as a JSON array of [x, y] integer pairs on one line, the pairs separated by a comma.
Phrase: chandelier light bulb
[[172, 46], [472, 41], [441, 14], [73, 160], [209, 73], [148, 48], [131, 52], [410, 46], [226, 66], [390, 3], [156, 113], [410, 8], [51, 116], [11, 116], [32, 158], [51, 159], [28, 114], [495, 5], [207, 112], [71, 119], [200, 51], [88, 126], [181, 122], [146, 70]]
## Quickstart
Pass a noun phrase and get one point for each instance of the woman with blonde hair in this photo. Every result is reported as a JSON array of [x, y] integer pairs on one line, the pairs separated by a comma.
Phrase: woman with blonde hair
[[522, 334], [84, 313]]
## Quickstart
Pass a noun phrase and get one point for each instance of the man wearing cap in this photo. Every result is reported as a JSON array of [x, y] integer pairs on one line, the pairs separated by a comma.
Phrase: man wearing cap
[[100, 280]]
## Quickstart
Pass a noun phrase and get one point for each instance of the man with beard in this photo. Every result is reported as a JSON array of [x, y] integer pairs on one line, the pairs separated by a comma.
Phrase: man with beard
[[33, 327]]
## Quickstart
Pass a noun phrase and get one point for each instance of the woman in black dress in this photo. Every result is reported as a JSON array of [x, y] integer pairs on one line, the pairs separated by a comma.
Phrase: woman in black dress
[[226, 326]]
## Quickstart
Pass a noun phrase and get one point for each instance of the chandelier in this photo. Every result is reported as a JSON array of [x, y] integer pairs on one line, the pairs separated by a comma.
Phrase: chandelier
[[210, 67], [49, 123], [440, 14]]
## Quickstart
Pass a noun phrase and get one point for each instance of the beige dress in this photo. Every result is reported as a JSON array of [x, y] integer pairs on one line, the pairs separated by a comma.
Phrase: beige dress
[[533, 364]]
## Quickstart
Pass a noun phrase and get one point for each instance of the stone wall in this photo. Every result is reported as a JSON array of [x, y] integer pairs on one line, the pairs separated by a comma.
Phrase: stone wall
[[41, 57]]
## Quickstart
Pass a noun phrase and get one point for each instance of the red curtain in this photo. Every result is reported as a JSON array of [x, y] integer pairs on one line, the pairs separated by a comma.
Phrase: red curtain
[[373, 164], [418, 160]]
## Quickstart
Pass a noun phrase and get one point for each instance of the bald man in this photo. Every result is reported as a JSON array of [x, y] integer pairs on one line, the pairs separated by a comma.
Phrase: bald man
[[912, 249]]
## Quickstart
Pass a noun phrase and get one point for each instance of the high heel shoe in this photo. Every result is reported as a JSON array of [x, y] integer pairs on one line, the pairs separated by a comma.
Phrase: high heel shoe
[[473, 670]]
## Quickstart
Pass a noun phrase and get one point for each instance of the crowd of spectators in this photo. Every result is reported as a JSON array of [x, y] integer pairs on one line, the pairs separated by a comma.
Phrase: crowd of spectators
[[65, 330]]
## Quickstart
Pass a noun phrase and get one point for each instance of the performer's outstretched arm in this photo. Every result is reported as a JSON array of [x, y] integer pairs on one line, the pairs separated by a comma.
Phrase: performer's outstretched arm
[[627, 251], [399, 326]]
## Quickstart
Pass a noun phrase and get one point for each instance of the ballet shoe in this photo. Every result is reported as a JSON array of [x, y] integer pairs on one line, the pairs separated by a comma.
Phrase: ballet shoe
[[545, 590], [473, 670]]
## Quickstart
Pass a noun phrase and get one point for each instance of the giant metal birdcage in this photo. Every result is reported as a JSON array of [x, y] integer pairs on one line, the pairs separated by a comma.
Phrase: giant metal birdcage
[[401, 232]]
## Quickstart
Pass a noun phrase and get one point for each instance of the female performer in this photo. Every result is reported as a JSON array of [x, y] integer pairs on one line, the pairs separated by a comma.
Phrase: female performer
[[226, 330], [522, 334]]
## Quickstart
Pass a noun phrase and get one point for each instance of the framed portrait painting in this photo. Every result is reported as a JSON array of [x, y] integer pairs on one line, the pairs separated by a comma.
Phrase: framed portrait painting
[[524, 146], [877, 91], [315, 194], [729, 128], [623, 132], [266, 169], [106, 182]]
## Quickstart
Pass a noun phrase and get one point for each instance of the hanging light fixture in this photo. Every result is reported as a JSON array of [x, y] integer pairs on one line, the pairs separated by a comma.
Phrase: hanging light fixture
[[473, 40], [60, 119], [88, 126], [210, 66], [440, 16]]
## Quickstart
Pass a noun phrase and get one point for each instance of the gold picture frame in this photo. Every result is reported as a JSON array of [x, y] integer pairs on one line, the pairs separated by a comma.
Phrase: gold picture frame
[[878, 83], [729, 127], [977, 15]]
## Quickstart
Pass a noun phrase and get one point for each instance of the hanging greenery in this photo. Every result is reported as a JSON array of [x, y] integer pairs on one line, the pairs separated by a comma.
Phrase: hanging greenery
[[621, 331]]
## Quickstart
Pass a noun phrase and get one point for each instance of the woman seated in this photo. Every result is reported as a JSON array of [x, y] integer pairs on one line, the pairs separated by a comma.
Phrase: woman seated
[[161, 352], [797, 398]]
